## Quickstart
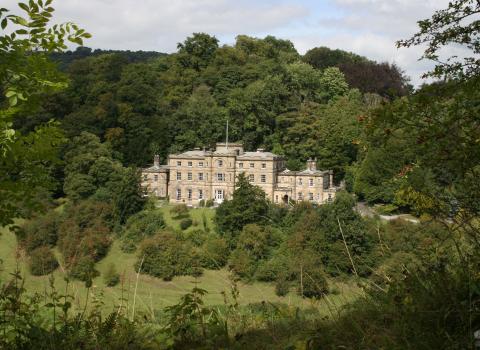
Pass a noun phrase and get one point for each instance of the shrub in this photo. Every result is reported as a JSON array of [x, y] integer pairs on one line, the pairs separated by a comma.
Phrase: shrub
[[185, 223], [84, 269], [282, 287], [142, 224], [214, 253], [196, 237], [314, 282], [40, 231], [111, 276], [85, 230], [201, 203], [179, 211], [242, 264], [166, 256], [209, 203], [42, 261], [271, 269]]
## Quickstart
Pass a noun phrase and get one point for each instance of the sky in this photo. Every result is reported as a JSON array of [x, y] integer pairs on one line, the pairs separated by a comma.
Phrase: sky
[[366, 27]]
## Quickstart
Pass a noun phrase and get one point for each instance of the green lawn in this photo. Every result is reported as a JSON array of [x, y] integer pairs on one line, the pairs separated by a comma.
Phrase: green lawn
[[153, 293]]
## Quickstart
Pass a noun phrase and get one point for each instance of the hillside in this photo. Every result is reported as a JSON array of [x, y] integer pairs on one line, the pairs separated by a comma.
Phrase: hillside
[[154, 294]]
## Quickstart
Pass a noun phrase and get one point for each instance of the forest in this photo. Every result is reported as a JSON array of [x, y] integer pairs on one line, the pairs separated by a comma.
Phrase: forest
[[79, 239]]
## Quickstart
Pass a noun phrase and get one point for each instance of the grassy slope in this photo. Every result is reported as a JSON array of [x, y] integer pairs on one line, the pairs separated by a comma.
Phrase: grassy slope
[[154, 293]]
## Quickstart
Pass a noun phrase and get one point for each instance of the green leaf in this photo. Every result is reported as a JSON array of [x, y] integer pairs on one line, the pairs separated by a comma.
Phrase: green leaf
[[24, 6], [4, 23], [21, 31]]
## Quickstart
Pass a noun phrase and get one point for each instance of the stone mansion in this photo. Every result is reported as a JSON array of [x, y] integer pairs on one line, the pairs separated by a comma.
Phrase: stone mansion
[[197, 175]]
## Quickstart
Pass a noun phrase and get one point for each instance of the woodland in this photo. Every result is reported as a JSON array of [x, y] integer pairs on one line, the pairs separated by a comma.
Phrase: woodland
[[78, 125]]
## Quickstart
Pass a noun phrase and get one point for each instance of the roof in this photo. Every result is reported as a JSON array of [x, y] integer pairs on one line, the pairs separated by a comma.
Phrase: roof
[[191, 154], [312, 172], [156, 169], [258, 155], [306, 172]]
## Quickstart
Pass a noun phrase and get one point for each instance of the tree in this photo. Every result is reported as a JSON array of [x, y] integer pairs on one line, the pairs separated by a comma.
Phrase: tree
[[26, 73], [247, 206], [454, 25], [197, 51], [128, 198]]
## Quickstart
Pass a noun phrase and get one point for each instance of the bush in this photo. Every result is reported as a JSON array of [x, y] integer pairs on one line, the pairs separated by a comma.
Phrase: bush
[[214, 253], [197, 237], [111, 276], [314, 282], [84, 269], [142, 224], [242, 264], [282, 287], [85, 230], [38, 232], [185, 223], [165, 256], [270, 270], [201, 203], [42, 261], [209, 203], [179, 211]]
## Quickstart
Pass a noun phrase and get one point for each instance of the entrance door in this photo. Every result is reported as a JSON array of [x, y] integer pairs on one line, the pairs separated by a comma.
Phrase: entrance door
[[285, 199], [219, 196]]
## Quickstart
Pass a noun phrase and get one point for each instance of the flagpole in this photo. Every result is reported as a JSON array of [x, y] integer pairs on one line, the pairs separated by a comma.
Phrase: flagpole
[[226, 141]]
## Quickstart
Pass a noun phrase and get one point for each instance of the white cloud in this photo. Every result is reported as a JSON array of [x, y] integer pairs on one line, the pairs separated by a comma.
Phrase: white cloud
[[160, 24], [366, 27]]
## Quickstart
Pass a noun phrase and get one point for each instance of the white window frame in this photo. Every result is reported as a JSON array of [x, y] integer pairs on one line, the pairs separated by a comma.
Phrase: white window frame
[[263, 178], [310, 182], [300, 196], [240, 165], [310, 196], [189, 176], [179, 163], [190, 164], [179, 176], [220, 177], [220, 163], [200, 194], [179, 194], [200, 164], [189, 194], [200, 176], [264, 165], [251, 178]]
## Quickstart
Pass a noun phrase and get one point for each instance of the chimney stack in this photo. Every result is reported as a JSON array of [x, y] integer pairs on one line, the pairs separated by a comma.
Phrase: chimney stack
[[156, 161], [312, 164]]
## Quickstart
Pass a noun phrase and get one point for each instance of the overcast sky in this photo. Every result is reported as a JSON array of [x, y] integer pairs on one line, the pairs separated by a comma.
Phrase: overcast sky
[[366, 27]]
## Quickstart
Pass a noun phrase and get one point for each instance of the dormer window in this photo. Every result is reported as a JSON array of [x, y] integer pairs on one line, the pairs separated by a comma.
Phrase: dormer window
[[179, 163], [190, 164], [310, 182], [264, 165]]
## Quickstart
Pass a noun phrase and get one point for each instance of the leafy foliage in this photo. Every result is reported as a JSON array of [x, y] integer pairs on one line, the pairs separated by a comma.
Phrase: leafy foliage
[[248, 205], [42, 261]]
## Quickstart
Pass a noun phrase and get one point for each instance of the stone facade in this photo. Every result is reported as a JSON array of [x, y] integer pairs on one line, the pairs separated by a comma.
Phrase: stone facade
[[202, 175]]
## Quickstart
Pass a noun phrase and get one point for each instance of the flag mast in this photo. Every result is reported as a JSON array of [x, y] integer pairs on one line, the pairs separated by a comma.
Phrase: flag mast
[[226, 139]]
